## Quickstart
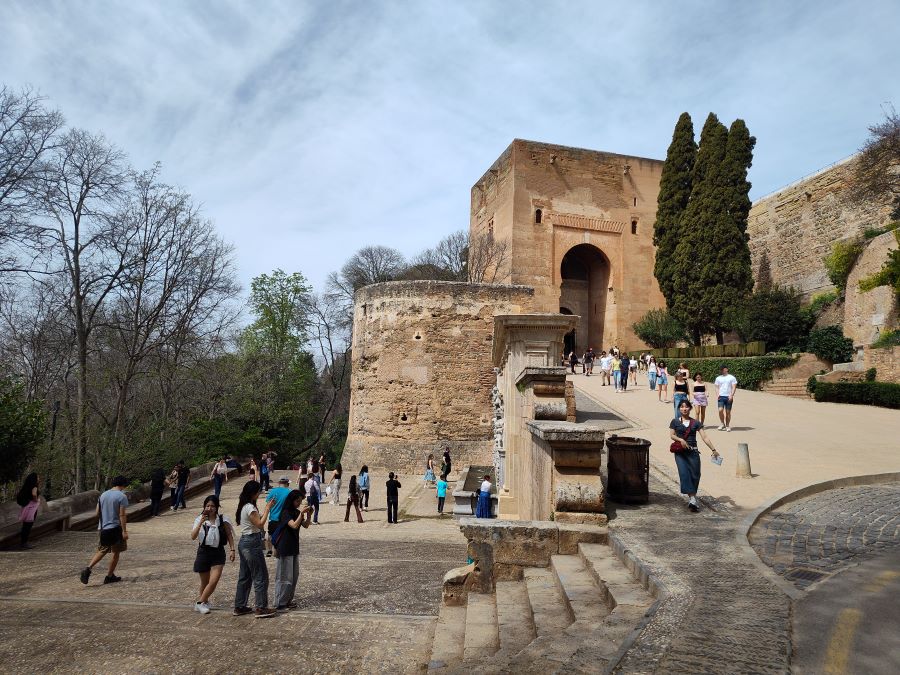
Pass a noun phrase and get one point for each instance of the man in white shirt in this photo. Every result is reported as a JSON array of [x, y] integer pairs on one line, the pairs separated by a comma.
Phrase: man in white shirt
[[726, 385], [605, 368]]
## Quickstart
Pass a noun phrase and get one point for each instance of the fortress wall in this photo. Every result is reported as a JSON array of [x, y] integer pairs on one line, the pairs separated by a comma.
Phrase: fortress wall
[[422, 372], [794, 229]]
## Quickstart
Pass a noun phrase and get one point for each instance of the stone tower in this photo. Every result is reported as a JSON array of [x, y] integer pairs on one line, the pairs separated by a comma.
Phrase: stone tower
[[579, 227]]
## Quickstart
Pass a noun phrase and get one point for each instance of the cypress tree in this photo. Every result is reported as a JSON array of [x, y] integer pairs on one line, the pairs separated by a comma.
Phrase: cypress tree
[[698, 275], [674, 193]]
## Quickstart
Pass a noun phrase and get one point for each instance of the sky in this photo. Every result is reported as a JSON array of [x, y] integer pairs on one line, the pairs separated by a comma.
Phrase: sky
[[308, 130]]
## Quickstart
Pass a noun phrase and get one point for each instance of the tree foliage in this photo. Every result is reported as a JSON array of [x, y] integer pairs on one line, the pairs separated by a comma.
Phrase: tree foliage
[[839, 263], [712, 259], [659, 329], [877, 171], [829, 344], [22, 428], [674, 193], [774, 315]]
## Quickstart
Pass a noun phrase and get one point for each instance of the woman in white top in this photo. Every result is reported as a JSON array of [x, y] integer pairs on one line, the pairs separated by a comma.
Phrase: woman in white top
[[214, 530], [483, 509], [651, 372], [250, 548]]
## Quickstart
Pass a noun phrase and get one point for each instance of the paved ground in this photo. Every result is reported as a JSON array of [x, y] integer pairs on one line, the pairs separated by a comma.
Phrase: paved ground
[[793, 442], [369, 594], [851, 623], [816, 537]]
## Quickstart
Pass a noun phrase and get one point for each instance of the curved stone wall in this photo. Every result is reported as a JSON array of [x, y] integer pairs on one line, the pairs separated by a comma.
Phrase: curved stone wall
[[422, 372]]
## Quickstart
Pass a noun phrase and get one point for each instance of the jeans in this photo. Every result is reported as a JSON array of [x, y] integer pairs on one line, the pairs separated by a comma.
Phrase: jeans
[[652, 377], [266, 482], [353, 500], [336, 491], [217, 482], [392, 503], [440, 504], [364, 498], [26, 531], [623, 379], [253, 570], [688, 463], [287, 571], [313, 501], [155, 501], [617, 377], [179, 497]]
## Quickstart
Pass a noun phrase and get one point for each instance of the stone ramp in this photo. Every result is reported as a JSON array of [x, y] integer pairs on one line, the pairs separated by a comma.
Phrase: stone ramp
[[569, 617]]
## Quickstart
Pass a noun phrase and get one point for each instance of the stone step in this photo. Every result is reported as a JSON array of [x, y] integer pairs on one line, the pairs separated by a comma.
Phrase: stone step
[[620, 587], [549, 609], [482, 637], [579, 587], [449, 638], [514, 617]]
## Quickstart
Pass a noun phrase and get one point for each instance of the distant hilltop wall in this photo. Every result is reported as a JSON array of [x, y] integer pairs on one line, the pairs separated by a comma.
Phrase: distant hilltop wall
[[792, 230], [422, 372]]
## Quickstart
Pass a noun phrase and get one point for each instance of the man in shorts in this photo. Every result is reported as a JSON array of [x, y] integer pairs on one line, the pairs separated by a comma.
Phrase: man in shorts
[[113, 530], [726, 385], [589, 361]]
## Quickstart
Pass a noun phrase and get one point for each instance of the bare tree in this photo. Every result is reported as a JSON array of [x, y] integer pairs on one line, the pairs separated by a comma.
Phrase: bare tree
[[28, 133], [488, 259], [80, 199], [877, 173], [448, 261]]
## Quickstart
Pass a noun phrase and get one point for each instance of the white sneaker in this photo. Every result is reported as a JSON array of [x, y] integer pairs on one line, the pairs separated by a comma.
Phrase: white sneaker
[[721, 427], [727, 428], [203, 608]]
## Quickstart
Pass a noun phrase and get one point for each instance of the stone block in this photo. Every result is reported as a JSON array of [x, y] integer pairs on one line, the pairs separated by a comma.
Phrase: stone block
[[581, 518], [572, 534], [456, 585]]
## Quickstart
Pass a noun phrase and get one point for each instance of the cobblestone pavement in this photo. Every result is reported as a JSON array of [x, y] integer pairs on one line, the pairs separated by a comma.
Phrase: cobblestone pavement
[[368, 595], [811, 539], [721, 615]]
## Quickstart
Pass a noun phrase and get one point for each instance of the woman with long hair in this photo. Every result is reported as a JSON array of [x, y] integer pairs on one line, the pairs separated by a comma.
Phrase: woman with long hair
[[336, 485], [213, 530], [680, 389], [651, 372], [429, 471], [700, 400], [353, 499], [29, 499], [683, 431], [363, 485], [483, 508], [250, 549], [254, 470], [287, 548], [662, 382]]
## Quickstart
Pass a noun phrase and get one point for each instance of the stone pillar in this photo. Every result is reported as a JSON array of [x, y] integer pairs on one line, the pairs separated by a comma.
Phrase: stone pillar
[[576, 486]]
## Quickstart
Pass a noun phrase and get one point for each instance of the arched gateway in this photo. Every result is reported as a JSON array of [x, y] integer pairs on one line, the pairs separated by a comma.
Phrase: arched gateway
[[584, 275]]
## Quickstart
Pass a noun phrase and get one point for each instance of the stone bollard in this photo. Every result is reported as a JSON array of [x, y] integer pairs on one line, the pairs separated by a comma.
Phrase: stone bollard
[[742, 468]]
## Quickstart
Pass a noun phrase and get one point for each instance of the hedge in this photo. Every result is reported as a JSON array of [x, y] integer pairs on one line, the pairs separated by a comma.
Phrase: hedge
[[884, 394], [711, 351], [750, 371]]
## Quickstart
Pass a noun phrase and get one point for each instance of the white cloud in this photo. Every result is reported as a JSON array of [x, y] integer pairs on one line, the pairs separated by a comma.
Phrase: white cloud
[[309, 130]]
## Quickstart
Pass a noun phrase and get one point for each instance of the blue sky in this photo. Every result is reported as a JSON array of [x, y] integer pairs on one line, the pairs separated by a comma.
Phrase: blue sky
[[310, 129]]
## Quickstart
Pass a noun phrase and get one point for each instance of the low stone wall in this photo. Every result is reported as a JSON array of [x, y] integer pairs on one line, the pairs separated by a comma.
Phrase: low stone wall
[[885, 361], [868, 313]]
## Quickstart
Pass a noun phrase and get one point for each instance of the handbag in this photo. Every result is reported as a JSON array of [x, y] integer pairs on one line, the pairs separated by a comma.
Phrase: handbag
[[676, 446]]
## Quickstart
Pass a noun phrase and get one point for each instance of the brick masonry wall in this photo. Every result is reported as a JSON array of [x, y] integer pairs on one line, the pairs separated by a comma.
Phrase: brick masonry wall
[[885, 361], [867, 314], [422, 372], [792, 230]]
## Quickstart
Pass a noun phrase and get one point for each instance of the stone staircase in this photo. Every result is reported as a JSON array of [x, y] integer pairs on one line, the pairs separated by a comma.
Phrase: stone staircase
[[793, 387], [573, 615]]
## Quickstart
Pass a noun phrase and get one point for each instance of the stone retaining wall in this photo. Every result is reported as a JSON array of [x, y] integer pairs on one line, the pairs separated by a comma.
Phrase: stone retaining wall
[[885, 361]]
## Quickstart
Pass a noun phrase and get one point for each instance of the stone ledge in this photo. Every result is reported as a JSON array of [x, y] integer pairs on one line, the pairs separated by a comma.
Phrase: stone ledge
[[567, 432], [532, 373]]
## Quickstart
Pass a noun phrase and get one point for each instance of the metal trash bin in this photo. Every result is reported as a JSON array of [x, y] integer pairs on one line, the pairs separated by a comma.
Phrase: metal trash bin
[[628, 469]]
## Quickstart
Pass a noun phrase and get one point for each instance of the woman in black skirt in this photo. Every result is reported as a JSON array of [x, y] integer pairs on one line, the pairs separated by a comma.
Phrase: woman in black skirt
[[213, 530]]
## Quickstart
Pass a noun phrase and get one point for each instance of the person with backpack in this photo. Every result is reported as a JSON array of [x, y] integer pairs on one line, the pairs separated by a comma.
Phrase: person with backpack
[[276, 500], [182, 482], [313, 495], [265, 481], [684, 430], [353, 499], [213, 530], [29, 499], [112, 525], [363, 484], [219, 476], [293, 516], [253, 570]]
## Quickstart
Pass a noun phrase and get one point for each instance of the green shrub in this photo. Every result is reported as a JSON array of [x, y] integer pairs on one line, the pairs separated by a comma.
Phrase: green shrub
[[840, 261], [772, 315], [872, 232], [871, 373], [883, 394], [829, 344], [888, 338], [820, 302], [750, 371], [659, 329], [888, 275], [811, 384], [712, 351]]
